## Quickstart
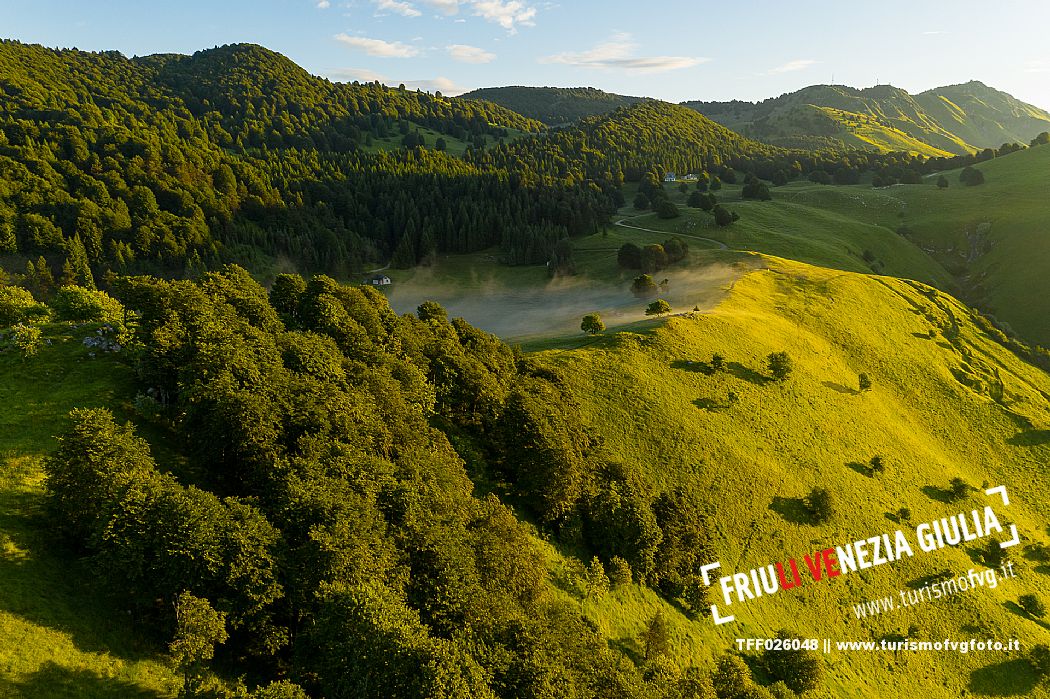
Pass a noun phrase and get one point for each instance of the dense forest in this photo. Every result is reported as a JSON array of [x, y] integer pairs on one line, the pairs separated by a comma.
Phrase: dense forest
[[555, 106], [177, 164], [323, 528]]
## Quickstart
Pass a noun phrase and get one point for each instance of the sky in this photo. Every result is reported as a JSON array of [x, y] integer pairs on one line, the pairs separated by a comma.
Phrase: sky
[[674, 50]]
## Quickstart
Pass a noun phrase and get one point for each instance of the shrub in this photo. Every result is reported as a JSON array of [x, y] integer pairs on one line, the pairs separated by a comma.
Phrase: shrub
[[17, 305], [27, 339], [1032, 605], [667, 209], [959, 489], [643, 285], [780, 365], [971, 177], [864, 382], [821, 505], [86, 305]]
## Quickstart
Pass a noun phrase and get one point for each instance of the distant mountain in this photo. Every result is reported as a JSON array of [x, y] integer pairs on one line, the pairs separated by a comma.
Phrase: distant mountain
[[555, 106], [957, 119]]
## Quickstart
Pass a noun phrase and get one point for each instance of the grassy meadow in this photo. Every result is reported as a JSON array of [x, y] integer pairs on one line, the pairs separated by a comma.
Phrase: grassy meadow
[[956, 404], [59, 635]]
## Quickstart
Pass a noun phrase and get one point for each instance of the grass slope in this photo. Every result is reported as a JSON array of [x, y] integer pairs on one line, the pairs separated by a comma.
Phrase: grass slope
[[935, 412], [58, 637], [955, 119]]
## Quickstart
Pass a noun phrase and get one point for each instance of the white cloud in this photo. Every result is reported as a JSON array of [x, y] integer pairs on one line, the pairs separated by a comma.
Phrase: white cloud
[[506, 13], [470, 54], [792, 66], [378, 47], [323, 4], [619, 53], [1037, 66], [444, 85], [402, 8], [448, 7], [360, 74]]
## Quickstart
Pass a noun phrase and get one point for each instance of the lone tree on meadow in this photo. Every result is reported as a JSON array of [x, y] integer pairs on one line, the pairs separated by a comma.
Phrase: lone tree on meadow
[[821, 505], [959, 489], [863, 382], [942, 182], [643, 285], [780, 365], [877, 465], [971, 177], [718, 362], [656, 638], [1032, 605], [658, 307], [723, 216], [592, 324]]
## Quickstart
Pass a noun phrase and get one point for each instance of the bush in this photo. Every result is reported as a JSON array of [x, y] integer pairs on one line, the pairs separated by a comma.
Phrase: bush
[[1032, 605], [643, 285], [641, 202], [959, 489], [863, 382], [723, 216], [780, 365], [17, 305], [27, 339], [629, 256], [667, 209], [971, 177], [86, 305], [821, 505]]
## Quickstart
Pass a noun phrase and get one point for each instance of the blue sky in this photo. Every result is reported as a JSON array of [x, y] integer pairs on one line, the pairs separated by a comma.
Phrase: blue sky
[[670, 49]]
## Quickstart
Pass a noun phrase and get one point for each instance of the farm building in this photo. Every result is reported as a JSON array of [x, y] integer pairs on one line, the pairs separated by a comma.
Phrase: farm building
[[378, 280]]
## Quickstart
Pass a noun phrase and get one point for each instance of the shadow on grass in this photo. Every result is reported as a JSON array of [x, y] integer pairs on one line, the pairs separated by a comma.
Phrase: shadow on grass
[[629, 647], [698, 367], [1008, 679], [862, 469], [939, 494], [793, 510], [839, 388], [709, 404], [1030, 438], [55, 681], [46, 585], [747, 374]]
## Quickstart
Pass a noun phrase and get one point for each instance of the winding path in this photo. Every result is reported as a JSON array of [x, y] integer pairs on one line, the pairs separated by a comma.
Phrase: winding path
[[623, 224]]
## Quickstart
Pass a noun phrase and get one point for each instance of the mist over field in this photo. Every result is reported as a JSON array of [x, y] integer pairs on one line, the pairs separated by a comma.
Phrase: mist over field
[[558, 306]]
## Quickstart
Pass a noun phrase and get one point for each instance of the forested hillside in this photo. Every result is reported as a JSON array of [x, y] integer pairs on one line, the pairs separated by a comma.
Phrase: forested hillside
[[555, 106], [178, 163]]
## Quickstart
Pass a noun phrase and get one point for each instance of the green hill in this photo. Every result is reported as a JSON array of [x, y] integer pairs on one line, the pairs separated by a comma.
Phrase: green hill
[[948, 401], [951, 120], [554, 106]]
